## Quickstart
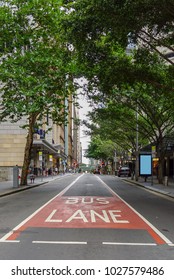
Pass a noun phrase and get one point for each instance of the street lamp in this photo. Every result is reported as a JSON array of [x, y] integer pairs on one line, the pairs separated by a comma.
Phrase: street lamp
[[137, 150], [115, 160]]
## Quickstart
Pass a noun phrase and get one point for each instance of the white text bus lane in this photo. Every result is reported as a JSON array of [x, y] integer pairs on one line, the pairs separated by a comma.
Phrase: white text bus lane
[[89, 212]]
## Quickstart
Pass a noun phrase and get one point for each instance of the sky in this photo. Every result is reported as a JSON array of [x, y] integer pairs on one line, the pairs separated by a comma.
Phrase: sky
[[82, 114]]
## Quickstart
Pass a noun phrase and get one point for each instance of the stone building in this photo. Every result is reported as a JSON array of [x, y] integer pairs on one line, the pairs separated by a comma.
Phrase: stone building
[[48, 149]]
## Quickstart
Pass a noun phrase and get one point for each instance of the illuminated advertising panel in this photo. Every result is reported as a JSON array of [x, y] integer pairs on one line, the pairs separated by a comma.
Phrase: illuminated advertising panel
[[145, 164]]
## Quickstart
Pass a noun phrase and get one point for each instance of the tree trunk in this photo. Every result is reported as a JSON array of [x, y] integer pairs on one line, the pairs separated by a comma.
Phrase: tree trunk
[[160, 170], [161, 156], [28, 147]]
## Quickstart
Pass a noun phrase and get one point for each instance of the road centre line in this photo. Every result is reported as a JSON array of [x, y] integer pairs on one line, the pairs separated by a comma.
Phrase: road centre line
[[32, 215], [143, 218]]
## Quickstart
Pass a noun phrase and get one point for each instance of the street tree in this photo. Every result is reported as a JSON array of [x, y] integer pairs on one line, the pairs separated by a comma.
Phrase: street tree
[[114, 122], [125, 46], [35, 67], [143, 111], [100, 149]]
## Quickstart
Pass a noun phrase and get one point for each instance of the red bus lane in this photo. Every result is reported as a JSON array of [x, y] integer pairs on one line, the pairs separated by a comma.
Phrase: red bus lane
[[88, 212]]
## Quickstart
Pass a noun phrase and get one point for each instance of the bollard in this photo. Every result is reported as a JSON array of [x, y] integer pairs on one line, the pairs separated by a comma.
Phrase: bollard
[[15, 177], [165, 180]]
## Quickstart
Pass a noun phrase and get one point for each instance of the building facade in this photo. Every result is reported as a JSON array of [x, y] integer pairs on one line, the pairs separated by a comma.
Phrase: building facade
[[48, 151]]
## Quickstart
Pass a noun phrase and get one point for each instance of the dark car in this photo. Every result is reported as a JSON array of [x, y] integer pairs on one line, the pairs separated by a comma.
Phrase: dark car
[[124, 171]]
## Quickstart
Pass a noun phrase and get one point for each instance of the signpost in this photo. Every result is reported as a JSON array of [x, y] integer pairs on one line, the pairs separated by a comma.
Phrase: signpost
[[41, 167], [154, 154]]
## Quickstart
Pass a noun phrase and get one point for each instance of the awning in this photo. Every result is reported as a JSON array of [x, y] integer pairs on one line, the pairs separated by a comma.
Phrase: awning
[[42, 144]]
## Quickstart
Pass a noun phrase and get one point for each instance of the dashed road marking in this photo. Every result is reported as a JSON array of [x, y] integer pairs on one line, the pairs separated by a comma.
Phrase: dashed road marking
[[129, 244], [61, 242]]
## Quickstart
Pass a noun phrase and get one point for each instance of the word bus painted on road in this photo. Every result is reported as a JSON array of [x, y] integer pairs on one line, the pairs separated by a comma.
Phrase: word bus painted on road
[[86, 200]]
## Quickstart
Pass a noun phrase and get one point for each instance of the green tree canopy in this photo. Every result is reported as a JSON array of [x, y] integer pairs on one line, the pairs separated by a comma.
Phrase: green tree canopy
[[100, 149], [104, 31], [36, 66], [146, 23]]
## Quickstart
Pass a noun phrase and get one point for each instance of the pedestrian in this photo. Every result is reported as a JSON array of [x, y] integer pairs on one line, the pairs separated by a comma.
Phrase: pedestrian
[[56, 170], [46, 172], [32, 178]]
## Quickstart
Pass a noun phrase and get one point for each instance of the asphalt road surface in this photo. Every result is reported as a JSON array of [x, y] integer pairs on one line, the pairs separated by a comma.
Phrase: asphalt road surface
[[86, 217]]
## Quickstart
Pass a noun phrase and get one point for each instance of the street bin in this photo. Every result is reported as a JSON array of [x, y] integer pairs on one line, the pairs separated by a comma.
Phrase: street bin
[[15, 177], [166, 182]]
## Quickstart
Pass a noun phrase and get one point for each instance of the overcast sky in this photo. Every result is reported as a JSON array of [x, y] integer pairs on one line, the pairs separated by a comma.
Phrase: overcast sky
[[82, 113]]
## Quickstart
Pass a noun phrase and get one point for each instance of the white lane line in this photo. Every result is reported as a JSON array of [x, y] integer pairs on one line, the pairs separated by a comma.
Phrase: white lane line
[[9, 241], [60, 242], [38, 210], [144, 219], [129, 244], [85, 243], [110, 190]]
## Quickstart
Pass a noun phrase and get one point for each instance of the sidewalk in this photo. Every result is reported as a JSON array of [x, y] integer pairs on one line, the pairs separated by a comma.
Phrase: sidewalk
[[6, 187], [154, 186]]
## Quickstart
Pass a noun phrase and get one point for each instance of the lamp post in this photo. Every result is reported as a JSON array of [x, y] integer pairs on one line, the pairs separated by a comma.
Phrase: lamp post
[[115, 160], [137, 150]]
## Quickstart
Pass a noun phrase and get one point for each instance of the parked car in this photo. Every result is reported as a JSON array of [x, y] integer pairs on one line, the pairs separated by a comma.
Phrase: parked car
[[124, 171]]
